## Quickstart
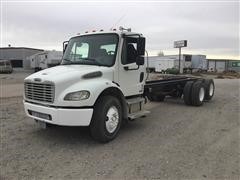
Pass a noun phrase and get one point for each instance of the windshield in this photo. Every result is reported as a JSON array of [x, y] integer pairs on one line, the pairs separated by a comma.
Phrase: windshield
[[97, 49]]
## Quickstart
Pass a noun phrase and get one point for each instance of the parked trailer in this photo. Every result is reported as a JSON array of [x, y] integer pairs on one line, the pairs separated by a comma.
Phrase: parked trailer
[[45, 60], [162, 63], [199, 63], [188, 62], [102, 83]]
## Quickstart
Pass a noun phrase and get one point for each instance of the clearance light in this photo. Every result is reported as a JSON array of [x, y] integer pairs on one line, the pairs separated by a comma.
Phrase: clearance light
[[101, 30], [94, 31], [114, 29], [86, 31]]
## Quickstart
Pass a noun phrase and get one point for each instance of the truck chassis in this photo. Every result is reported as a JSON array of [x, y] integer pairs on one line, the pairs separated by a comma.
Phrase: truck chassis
[[178, 86]]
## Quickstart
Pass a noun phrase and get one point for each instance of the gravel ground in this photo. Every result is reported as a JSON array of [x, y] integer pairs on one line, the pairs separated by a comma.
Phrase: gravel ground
[[11, 85], [173, 142]]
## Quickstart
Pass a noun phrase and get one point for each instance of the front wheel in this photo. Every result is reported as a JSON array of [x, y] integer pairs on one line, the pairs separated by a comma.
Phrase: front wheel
[[107, 119]]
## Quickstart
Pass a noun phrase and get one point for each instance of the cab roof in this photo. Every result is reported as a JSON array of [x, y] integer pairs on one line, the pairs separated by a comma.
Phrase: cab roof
[[120, 33]]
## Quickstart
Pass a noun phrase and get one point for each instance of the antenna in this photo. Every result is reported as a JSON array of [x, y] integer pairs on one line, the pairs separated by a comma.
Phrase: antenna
[[118, 20]]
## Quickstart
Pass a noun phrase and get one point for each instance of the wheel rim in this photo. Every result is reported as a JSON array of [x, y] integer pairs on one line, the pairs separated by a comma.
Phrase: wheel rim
[[201, 94], [112, 119], [211, 89]]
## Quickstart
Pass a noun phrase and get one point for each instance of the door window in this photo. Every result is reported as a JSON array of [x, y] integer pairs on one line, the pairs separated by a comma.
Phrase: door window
[[129, 53]]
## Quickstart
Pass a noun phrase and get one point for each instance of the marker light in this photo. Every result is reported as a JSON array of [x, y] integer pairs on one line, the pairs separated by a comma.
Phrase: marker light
[[101, 30]]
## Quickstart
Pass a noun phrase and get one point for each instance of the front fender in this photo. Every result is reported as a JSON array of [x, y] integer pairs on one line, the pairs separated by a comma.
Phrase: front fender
[[94, 86]]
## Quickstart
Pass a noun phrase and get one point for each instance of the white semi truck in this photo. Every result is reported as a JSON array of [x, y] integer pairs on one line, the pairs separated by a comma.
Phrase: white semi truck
[[102, 83]]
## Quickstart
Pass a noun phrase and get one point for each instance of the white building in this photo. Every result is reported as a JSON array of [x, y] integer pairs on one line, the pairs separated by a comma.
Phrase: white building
[[18, 56], [220, 65]]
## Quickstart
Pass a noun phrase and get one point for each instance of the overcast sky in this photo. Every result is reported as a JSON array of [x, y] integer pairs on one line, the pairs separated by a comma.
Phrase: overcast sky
[[211, 28]]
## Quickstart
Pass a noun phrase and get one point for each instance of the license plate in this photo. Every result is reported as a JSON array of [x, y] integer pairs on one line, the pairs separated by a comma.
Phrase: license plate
[[40, 115]]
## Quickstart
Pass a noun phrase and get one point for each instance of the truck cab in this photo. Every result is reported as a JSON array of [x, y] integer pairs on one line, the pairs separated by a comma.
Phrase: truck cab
[[100, 83]]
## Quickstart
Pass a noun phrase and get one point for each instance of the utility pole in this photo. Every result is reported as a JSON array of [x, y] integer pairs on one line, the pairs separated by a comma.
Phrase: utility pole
[[179, 45], [179, 61]]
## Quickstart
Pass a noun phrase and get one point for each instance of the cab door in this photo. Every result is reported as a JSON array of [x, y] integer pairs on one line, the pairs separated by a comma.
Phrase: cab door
[[131, 75]]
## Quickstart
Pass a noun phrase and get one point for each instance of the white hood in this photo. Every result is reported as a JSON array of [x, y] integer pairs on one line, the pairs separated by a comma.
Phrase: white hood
[[69, 73]]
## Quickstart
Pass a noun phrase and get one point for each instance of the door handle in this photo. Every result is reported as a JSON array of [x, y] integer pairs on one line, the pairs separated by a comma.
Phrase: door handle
[[128, 69], [141, 77]]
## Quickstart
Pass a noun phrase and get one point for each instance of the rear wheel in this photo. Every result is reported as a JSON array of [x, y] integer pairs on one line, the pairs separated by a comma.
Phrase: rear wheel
[[198, 93], [210, 88], [107, 119], [187, 93]]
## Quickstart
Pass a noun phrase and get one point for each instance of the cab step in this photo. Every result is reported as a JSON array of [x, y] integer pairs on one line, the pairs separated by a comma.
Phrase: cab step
[[138, 114], [135, 100]]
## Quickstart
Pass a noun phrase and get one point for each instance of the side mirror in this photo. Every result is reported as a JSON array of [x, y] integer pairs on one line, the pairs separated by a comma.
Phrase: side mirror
[[141, 46], [140, 60], [65, 43]]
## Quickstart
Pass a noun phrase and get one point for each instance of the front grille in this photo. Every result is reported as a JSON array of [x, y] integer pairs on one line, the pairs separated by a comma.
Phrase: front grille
[[43, 92]]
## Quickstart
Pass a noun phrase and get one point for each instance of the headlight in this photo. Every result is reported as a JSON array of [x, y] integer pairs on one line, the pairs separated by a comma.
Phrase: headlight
[[77, 96]]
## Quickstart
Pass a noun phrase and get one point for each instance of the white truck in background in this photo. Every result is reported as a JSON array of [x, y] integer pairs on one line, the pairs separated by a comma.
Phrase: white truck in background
[[45, 59], [102, 83]]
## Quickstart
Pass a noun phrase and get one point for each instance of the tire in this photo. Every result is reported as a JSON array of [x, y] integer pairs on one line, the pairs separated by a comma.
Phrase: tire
[[187, 93], [209, 89], [107, 119], [198, 93]]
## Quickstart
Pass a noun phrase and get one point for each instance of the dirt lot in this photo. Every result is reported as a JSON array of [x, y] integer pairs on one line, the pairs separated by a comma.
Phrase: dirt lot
[[11, 85], [173, 142]]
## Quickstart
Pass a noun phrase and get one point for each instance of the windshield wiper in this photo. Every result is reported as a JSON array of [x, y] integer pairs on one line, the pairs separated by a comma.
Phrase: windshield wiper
[[68, 61], [92, 61], [84, 61]]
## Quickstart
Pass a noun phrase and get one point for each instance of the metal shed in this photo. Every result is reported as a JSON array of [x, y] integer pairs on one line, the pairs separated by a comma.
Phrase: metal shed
[[220, 65], [18, 55], [234, 65]]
